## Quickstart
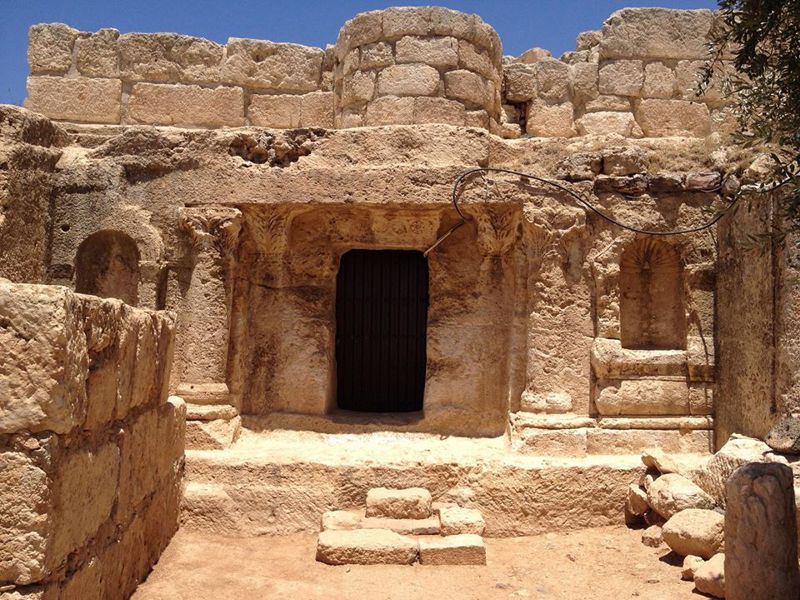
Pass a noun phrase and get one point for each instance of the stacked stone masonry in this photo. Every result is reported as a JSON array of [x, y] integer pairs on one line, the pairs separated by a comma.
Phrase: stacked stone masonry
[[637, 77], [91, 449]]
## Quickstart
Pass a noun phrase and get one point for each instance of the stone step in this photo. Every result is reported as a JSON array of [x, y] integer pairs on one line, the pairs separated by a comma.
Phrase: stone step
[[408, 503], [456, 520], [282, 483], [366, 547], [355, 519], [463, 549]]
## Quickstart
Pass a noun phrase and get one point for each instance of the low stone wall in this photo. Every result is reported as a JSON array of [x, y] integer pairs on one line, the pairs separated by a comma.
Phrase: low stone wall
[[91, 450], [170, 79], [636, 77]]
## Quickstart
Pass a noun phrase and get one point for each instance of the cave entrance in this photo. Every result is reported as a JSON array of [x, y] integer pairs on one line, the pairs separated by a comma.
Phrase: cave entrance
[[381, 330]]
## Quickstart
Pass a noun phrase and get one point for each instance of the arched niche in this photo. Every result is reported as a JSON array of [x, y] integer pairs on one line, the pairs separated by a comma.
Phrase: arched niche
[[107, 265], [652, 314]]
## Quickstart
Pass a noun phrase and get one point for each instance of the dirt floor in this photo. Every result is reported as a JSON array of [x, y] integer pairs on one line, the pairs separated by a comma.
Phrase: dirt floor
[[603, 564]]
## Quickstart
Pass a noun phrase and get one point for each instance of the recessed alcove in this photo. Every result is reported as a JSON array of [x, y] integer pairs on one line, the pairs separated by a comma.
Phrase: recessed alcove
[[107, 265], [652, 314]]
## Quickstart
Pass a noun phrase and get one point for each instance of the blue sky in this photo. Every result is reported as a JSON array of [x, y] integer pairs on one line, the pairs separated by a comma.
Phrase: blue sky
[[522, 24]]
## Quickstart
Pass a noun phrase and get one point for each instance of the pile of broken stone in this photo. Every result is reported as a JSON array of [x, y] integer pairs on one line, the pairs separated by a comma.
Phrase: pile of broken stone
[[402, 526], [681, 500]]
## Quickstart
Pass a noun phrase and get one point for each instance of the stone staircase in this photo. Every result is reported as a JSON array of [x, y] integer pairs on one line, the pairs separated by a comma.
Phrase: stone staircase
[[402, 526]]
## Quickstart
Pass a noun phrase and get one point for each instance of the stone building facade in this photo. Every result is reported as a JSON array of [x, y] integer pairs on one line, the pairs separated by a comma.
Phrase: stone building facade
[[229, 185]]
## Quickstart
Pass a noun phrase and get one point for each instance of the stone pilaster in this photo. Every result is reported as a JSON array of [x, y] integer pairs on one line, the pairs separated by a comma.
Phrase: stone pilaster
[[204, 330]]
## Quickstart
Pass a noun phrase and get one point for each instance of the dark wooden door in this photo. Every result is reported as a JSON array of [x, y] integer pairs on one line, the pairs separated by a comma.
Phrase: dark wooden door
[[381, 323]]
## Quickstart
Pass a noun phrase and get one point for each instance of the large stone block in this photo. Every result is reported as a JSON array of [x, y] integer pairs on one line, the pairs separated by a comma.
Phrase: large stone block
[[169, 58], [437, 52], [477, 60], [655, 33], [85, 488], [611, 361], [662, 118], [187, 105], [644, 397], [374, 56], [390, 110], [552, 80], [81, 100], [608, 123], [550, 121], [622, 78], [408, 80], [659, 81], [520, 82], [269, 65], [316, 110], [50, 48], [584, 77], [358, 88], [366, 547], [463, 549], [438, 110], [45, 365], [24, 520], [761, 534], [470, 88], [98, 55], [280, 111]]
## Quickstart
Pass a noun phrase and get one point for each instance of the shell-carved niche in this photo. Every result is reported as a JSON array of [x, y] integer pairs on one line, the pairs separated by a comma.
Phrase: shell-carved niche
[[652, 313]]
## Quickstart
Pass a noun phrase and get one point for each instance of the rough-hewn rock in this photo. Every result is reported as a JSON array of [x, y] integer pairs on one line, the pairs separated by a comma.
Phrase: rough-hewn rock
[[655, 33], [659, 117], [690, 565], [50, 48], [697, 532], [761, 534], [672, 493], [785, 436], [653, 536], [709, 578], [738, 451]]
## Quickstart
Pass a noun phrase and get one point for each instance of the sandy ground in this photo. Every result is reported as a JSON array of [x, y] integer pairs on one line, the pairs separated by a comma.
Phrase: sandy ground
[[604, 564]]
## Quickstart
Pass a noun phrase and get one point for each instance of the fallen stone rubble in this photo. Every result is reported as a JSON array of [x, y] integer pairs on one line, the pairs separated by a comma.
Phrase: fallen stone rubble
[[402, 527], [682, 503]]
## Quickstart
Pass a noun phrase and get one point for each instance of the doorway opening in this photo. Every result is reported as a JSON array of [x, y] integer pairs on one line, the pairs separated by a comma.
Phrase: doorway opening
[[381, 330]]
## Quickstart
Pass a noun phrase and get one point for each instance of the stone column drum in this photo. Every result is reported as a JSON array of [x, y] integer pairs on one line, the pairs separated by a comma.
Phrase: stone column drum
[[761, 534], [204, 334], [417, 65]]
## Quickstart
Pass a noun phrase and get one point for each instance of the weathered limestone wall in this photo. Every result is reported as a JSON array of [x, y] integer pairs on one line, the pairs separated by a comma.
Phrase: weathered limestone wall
[[91, 449], [170, 79], [417, 65], [29, 151], [635, 77], [759, 372]]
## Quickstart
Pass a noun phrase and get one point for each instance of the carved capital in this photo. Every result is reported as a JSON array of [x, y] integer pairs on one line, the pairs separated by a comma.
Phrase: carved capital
[[211, 225]]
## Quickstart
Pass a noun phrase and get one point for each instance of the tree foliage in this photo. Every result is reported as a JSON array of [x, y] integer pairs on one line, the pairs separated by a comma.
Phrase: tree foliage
[[762, 37]]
